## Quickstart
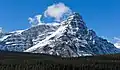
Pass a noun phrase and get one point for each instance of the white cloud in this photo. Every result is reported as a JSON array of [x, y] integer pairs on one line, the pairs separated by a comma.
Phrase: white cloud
[[57, 11], [30, 20], [36, 20], [117, 43]]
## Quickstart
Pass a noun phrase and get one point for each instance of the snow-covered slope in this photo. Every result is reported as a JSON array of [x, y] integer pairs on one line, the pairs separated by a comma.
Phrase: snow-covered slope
[[21, 40], [70, 38], [73, 39]]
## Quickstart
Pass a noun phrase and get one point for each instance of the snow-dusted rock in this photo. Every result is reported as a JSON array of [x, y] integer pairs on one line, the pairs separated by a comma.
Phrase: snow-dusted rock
[[73, 39], [70, 38]]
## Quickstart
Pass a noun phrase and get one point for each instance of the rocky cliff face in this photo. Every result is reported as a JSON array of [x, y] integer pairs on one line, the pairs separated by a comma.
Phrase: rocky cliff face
[[71, 38]]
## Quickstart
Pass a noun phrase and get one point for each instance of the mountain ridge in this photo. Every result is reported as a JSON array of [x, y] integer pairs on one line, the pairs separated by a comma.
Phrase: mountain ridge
[[71, 38]]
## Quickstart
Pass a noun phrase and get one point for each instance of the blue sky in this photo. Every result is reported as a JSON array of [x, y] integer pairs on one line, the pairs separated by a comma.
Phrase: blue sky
[[100, 15]]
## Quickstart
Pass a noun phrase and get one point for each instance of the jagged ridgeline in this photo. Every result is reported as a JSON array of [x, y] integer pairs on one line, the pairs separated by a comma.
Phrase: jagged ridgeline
[[70, 38]]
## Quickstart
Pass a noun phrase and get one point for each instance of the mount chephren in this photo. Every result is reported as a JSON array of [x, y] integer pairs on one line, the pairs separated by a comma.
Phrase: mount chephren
[[70, 38]]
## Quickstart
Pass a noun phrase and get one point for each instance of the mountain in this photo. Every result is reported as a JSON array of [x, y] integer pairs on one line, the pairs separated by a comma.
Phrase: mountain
[[70, 38], [23, 39]]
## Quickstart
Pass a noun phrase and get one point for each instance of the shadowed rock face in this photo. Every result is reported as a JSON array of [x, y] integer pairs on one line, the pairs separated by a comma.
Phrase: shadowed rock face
[[71, 38]]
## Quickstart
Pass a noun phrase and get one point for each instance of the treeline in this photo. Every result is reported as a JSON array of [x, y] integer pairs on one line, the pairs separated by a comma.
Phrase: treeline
[[30, 61], [57, 66]]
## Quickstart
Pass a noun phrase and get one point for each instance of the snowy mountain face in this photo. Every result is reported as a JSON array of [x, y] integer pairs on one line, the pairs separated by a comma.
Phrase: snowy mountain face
[[23, 39], [71, 38]]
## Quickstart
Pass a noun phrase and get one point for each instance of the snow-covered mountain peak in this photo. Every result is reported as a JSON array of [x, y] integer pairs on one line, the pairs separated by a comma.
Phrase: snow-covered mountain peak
[[70, 38], [75, 21], [73, 39], [75, 15]]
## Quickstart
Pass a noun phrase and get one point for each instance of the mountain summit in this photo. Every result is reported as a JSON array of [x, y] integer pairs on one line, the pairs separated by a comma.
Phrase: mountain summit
[[71, 38]]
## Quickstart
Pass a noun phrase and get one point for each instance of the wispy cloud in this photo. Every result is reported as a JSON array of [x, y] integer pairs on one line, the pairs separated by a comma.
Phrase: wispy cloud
[[57, 11], [35, 20]]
